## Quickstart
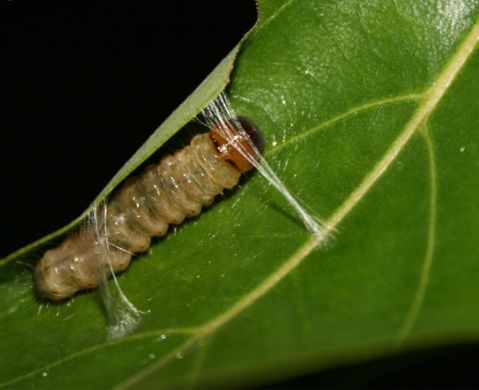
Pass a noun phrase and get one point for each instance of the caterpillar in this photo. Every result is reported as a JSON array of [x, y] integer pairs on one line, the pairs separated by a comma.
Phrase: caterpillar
[[162, 194]]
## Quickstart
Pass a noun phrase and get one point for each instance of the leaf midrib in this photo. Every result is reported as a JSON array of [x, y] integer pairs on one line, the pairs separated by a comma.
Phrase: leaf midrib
[[431, 99]]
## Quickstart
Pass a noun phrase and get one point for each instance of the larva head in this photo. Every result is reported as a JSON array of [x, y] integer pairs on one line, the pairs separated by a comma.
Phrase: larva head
[[238, 144]]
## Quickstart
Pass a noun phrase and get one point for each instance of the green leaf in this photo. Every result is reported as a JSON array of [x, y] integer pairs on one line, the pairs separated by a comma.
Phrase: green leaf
[[368, 114]]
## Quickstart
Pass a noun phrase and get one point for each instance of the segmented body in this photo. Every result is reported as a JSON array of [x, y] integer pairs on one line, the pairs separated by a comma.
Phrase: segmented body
[[179, 186]]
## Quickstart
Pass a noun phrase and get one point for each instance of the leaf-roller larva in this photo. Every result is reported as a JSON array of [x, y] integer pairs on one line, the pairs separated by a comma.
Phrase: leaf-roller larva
[[179, 186]]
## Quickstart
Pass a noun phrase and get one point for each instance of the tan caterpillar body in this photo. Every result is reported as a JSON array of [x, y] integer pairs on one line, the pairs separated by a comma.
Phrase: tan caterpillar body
[[144, 207]]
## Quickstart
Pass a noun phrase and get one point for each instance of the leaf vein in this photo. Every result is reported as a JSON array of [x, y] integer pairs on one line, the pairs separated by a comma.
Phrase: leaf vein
[[274, 15], [350, 112], [416, 305]]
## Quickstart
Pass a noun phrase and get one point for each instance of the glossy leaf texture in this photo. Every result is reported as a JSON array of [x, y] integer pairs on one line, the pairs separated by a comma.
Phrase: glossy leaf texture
[[368, 112]]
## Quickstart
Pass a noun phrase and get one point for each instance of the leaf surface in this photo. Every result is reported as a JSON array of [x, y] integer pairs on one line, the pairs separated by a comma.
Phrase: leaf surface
[[367, 110]]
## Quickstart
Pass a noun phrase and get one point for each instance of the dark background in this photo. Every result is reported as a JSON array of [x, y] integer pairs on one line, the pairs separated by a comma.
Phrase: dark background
[[84, 83]]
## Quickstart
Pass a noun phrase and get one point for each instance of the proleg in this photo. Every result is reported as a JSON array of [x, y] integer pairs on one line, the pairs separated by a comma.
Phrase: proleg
[[162, 194]]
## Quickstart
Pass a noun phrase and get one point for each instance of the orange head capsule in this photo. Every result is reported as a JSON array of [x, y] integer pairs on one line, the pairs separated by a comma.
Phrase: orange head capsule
[[237, 146]]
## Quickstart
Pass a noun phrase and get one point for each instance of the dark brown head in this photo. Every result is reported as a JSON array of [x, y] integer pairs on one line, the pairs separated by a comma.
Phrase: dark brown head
[[228, 149]]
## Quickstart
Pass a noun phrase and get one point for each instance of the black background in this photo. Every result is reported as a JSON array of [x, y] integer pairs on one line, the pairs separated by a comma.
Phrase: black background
[[84, 83]]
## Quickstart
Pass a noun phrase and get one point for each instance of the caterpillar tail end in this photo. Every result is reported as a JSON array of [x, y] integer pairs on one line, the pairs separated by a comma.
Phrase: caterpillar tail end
[[77, 264], [48, 282]]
